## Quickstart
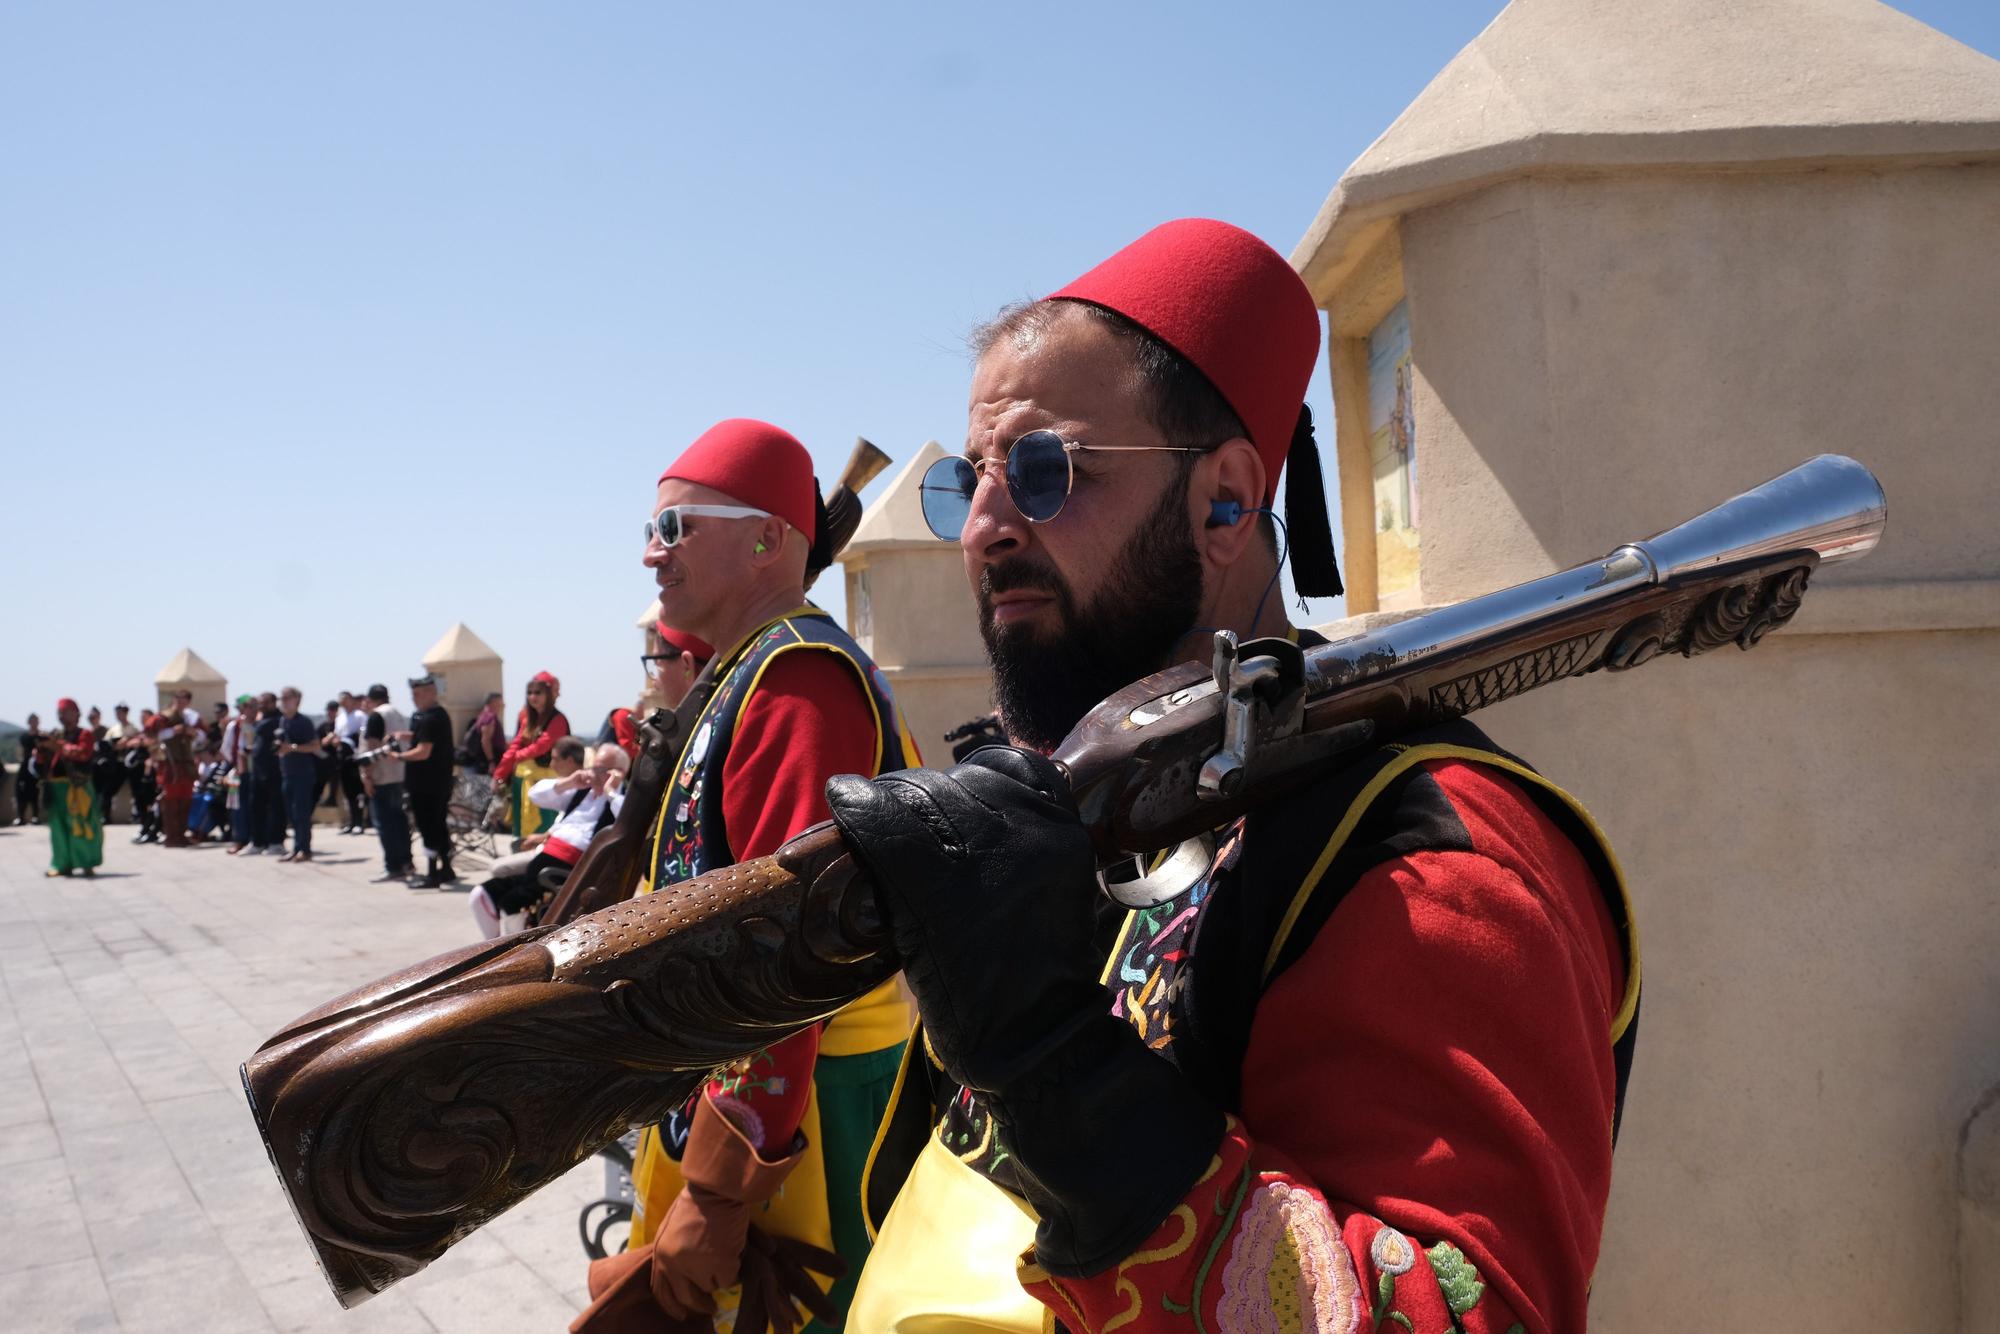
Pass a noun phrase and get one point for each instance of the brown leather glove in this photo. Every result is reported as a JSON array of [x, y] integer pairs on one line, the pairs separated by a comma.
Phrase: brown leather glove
[[699, 1248], [776, 1284], [621, 1300]]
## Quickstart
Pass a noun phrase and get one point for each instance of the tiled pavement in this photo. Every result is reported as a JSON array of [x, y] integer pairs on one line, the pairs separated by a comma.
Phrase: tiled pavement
[[134, 1193]]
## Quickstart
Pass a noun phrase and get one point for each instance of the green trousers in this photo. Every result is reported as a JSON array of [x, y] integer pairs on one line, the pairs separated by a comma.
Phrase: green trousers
[[76, 828], [853, 1095]]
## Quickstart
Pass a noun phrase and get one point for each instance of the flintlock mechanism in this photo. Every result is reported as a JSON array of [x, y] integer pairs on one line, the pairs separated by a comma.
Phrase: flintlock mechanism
[[404, 1115]]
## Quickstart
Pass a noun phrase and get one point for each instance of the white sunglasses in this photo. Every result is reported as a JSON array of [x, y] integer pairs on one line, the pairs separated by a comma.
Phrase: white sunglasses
[[669, 526]]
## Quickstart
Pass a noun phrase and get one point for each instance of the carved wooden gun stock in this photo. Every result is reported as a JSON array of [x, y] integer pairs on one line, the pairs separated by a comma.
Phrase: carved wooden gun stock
[[403, 1116]]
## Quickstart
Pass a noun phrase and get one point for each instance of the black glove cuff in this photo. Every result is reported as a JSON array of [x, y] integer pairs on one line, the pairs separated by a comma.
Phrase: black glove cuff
[[1109, 1141]]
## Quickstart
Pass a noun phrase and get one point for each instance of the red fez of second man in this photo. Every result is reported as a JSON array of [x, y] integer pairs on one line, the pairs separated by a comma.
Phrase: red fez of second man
[[1232, 306], [693, 645], [757, 464]]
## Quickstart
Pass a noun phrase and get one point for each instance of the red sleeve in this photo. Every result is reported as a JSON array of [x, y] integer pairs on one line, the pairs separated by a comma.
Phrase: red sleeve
[[1427, 1105], [80, 750], [520, 752], [807, 720]]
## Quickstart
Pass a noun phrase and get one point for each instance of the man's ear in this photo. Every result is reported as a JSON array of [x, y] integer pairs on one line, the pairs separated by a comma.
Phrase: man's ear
[[1228, 485], [770, 541]]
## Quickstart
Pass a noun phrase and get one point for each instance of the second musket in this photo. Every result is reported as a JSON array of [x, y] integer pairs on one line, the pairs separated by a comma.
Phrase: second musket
[[404, 1115]]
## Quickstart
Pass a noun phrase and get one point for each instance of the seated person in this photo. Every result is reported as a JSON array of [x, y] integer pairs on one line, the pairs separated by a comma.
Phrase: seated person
[[588, 790]]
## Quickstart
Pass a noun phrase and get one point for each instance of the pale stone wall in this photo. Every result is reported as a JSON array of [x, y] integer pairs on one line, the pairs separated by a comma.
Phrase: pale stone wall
[[909, 606], [921, 629], [1624, 352], [1808, 833], [1808, 829], [468, 670]]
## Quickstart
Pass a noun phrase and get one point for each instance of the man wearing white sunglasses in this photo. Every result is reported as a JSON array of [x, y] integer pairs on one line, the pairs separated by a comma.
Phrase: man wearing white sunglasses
[[782, 1140]]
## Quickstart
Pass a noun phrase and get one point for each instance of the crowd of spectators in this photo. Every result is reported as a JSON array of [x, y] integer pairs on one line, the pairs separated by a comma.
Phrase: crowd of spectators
[[254, 775]]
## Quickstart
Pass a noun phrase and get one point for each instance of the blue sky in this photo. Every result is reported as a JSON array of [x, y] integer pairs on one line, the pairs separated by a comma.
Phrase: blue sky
[[323, 327]]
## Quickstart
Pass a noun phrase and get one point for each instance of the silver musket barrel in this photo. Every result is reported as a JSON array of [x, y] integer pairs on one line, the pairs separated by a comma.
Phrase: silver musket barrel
[[1830, 506]]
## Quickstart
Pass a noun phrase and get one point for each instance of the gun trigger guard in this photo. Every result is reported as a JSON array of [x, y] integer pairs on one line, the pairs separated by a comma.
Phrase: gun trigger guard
[[1263, 688], [1130, 885]]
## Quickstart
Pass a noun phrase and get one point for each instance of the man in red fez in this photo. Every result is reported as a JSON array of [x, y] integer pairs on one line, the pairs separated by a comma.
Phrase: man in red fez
[[1366, 1069], [676, 663], [759, 1177]]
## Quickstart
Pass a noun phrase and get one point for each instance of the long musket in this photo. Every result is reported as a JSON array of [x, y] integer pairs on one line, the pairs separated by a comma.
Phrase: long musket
[[406, 1114], [612, 866]]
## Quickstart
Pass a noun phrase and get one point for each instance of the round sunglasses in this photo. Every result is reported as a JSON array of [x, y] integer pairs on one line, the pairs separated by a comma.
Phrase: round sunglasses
[[669, 526], [1039, 475]]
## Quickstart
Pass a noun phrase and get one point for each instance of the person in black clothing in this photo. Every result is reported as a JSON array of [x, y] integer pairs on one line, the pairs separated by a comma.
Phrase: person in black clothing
[[346, 742], [298, 769], [138, 756], [427, 777], [28, 783], [327, 761], [112, 769], [267, 792]]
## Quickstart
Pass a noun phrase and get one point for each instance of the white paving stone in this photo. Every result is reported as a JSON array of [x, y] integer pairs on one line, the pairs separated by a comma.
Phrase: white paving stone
[[135, 1194]]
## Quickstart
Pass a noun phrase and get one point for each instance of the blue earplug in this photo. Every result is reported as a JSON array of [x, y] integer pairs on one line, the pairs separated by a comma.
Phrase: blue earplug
[[1229, 513]]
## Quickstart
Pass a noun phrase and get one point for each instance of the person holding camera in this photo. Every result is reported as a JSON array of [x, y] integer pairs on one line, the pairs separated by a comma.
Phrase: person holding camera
[[428, 764], [353, 718], [380, 761]]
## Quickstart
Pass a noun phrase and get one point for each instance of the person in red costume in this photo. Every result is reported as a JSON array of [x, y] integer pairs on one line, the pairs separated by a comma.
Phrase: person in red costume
[[758, 1178], [1364, 1072], [536, 730], [671, 669], [76, 824], [678, 662]]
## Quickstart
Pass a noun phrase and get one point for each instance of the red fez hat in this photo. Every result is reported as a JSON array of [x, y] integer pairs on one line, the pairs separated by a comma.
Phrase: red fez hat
[[1241, 316], [65, 703], [758, 464], [546, 679], [1231, 305], [693, 645]]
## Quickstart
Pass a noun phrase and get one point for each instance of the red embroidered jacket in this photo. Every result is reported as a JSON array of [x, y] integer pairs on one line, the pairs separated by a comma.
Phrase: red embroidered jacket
[[807, 721], [1427, 1106], [524, 748]]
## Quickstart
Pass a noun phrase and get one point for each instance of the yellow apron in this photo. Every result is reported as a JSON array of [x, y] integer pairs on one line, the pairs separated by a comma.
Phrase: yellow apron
[[945, 1256]]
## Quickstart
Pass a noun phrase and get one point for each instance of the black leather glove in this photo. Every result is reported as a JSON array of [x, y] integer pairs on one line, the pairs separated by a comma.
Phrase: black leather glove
[[989, 885]]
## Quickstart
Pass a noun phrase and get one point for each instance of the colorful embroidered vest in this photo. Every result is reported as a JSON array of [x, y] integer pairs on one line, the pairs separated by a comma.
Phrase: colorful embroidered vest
[[1188, 974], [690, 838]]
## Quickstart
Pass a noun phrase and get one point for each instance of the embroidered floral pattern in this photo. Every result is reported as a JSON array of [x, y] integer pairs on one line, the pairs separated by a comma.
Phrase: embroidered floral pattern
[[741, 1115], [1149, 976], [1457, 1279], [1392, 1252], [1395, 1255], [1288, 1270]]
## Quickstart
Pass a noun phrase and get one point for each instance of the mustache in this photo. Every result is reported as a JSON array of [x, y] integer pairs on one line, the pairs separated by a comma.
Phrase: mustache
[[1018, 573]]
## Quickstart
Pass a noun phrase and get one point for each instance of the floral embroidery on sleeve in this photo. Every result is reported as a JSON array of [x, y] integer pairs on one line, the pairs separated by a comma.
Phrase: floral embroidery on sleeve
[[1288, 1269], [1457, 1279]]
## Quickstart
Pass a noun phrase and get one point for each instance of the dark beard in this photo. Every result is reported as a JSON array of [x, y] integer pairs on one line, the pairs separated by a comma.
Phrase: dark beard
[[1044, 682]]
